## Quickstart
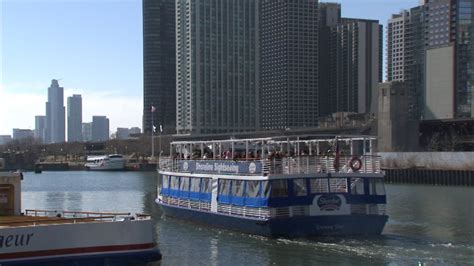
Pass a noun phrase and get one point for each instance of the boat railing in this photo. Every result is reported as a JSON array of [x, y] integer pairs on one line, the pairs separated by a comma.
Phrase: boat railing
[[78, 214], [367, 164]]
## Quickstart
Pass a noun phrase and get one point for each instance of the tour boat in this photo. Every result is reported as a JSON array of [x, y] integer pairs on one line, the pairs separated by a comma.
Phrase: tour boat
[[297, 186], [106, 162], [40, 237]]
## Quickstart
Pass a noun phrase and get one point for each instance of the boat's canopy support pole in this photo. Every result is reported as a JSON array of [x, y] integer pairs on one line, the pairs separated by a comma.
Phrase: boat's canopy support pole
[[246, 150]]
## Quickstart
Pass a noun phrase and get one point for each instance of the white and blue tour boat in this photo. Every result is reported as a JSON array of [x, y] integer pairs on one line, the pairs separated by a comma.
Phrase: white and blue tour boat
[[298, 186]]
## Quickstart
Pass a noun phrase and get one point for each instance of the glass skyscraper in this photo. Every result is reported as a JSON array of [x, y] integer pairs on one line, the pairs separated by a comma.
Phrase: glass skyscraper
[[159, 64]]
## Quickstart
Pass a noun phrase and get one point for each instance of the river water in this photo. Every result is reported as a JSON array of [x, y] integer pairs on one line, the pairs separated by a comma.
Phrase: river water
[[428, 225]]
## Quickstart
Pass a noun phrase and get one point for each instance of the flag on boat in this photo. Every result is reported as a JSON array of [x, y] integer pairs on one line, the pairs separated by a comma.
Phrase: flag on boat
[[337, 154], [153, 109]]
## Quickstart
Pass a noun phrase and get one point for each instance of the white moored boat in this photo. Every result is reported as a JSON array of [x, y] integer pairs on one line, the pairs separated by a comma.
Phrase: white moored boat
[[42, 237], [106, 162]]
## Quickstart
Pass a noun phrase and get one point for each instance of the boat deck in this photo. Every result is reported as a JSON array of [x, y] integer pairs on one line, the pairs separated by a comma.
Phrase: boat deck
[[44, 217], [16, 221]]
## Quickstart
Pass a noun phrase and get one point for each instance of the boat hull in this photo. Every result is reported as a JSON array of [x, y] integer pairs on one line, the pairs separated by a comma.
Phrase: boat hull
[[87, 243], [294, 227]]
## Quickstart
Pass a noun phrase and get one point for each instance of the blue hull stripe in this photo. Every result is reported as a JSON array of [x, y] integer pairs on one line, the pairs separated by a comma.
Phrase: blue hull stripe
[[294, 227]]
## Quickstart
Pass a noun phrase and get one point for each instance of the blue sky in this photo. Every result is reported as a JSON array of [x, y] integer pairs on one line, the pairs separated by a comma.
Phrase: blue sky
[[95, 48]]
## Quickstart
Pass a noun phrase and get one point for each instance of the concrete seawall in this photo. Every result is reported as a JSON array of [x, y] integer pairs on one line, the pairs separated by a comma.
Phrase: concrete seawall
[[430, 177], [462, 161], [430, 168]]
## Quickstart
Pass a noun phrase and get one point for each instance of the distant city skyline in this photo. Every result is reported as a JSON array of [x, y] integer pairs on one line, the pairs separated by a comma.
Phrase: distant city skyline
[[99, 57]]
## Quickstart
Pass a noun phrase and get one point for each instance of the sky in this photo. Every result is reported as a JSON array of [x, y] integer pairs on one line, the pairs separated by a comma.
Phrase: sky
[[95, 48]]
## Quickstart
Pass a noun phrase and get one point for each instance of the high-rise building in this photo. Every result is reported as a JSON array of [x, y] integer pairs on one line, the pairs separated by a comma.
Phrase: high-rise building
[[40, 128], [217, 66], [159, 64], [330, 16], [289, 40], [20, 134], [55, 120], [74, 118], [100, 128], [430, 49], [355, 66], [464, 60], [87, 132], [350, 62], [406, 55]]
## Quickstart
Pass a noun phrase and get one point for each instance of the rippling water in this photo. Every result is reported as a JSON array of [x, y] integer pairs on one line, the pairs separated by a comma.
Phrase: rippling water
[[428, 225]]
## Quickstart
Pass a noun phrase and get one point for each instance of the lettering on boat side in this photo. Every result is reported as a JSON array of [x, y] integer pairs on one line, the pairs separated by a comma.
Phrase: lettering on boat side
[[19, 240], [221, 167], [329, 203], [330, 227]]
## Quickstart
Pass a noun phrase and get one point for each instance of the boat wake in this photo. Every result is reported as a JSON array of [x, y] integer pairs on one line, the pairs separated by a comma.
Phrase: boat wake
[[390, 249]]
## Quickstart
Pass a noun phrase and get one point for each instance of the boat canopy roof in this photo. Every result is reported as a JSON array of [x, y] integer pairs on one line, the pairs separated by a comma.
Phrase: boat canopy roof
[[283, 139]]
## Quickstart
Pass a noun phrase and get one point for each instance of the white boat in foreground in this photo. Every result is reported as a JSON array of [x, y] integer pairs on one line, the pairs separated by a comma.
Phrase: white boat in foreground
[[40, 237], [106, 162]]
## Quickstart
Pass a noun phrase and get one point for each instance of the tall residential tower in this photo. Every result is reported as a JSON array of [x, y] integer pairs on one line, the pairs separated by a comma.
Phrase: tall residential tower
[[74, 118], [217, 66]]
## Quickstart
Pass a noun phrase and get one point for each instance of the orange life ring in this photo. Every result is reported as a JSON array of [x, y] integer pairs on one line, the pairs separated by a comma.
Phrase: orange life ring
[[355, 164]]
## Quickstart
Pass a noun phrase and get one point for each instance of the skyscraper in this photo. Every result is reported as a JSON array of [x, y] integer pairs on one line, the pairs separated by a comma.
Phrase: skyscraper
[[40, 128], [430, 48], [217, 66], [55, 120], [100, 128], [159, 64], [351, 62], [289, 41], [87, 132], [74, 118]]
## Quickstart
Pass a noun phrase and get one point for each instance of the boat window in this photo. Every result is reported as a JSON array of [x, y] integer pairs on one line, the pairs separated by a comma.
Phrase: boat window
[[184, 184], [238, 188], [338, 185], [174, 182], [377, 187], [252, 189], [224, 186], [299, 187], [279, 188], [206, 185], [195, 182], [319, 185], [266, 188], [166, 181], [357, 186]]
